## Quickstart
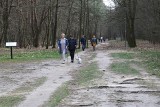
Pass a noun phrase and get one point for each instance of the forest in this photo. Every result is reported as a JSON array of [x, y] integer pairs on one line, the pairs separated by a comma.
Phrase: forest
[[39, 23], [39, 70]]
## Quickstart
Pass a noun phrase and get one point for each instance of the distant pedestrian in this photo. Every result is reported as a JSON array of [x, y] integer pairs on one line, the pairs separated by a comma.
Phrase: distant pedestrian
[[62, 46], [94, 42], [83, 42], [72, 44], [104, 40], [101, 39]]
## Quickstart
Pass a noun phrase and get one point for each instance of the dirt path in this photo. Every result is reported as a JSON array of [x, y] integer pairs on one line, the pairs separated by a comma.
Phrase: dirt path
[[112, 90], [15, 76], [56, 74], [115, 90]]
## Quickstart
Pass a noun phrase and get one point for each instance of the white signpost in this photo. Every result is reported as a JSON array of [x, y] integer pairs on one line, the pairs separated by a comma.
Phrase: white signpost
[[11, 44]]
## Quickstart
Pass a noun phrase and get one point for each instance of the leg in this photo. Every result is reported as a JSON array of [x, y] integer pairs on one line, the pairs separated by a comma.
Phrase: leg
[[94, 48], [83, 47], [63, 55], [72, 55]]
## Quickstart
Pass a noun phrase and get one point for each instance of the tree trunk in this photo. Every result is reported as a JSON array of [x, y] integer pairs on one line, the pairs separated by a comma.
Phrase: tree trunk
[[68, 29], [88, 23], [80, 24], [130, 17], [5, 18], [54, 38]]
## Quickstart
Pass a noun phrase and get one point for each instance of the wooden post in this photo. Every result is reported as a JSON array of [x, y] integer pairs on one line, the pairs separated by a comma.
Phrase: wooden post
[[11, 52]]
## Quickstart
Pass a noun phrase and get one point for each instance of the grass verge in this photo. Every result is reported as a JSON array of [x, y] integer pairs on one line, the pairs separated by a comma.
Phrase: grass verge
[[123, 68], [123, 55], [61, 93], [10, 101], [30, 55], [151, 60], [88, 73], [147, 52]]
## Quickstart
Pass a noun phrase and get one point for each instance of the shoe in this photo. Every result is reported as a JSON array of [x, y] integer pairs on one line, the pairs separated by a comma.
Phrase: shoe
[[72, 61]]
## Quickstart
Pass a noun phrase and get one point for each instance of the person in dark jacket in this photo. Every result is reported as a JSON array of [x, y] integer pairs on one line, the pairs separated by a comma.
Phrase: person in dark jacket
[[72, 44], [83, 42]]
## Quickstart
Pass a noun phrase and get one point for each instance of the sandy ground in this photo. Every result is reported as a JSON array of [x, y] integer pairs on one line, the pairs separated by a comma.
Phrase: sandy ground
[[116, 90], [112, 90], [13, 76]]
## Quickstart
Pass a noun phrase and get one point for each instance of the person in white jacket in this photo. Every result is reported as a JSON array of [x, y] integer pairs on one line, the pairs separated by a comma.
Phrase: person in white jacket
[[62, 46]]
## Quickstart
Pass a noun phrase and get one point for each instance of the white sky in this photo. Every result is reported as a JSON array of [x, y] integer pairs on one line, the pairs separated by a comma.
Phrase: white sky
[[108, 3]]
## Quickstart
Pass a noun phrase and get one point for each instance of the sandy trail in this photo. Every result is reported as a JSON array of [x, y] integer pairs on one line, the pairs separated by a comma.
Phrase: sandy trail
[[56, 74], [124, 90], [114, 90], [13, 76]]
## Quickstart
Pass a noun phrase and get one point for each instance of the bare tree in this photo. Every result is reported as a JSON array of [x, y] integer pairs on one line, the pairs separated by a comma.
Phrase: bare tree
[[6, 6]]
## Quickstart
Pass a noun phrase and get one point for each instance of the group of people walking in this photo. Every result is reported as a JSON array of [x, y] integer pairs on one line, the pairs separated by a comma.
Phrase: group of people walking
[[64, 45], [70, 45]]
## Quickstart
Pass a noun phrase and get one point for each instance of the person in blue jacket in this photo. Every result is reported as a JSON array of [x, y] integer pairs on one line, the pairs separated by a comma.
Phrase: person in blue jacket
[[72, 44], [83, 42], [62, 46]]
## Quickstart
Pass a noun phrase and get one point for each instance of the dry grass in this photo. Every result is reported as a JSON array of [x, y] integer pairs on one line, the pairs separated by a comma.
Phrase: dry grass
[[141, 45]]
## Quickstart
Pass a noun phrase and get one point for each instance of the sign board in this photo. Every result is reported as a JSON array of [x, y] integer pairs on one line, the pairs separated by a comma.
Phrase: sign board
[[11, 44]]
